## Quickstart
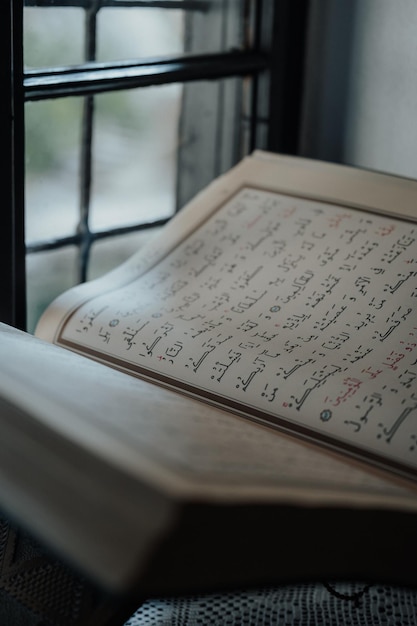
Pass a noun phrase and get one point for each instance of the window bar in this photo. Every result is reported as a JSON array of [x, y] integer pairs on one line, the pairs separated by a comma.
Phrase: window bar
[[83, 228], [291, 22], [255, 44], [12, 247], [183, 5], [92, 78], [75, 240]]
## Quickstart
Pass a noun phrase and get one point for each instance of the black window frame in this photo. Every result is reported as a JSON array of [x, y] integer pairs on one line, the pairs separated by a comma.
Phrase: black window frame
[[275, 62]]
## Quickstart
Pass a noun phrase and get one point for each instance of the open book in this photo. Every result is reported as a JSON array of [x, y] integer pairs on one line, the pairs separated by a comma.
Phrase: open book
[[247, 412]]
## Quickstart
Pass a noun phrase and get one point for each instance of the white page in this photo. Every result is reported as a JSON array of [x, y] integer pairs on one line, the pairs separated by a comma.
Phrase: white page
[[284, 308]]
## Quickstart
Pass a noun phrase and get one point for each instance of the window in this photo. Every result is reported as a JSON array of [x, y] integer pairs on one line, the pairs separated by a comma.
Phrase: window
[[121, 130]]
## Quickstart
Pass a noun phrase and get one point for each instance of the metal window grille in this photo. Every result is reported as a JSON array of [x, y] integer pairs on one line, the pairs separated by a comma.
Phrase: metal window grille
[[272, 61]]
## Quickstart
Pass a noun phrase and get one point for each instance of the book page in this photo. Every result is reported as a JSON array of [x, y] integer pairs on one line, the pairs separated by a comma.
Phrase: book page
[[178, 444], [296, 312]]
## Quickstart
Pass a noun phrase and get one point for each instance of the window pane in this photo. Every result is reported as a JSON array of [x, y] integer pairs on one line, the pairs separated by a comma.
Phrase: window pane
[[48, 275], [53, 36], [212, 133], [53, 130], [110, 253], [134, 33], [135, 156]]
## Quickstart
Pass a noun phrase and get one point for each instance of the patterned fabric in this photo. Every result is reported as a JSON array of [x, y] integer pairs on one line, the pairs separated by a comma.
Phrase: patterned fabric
[[37, 590], [292, 605]]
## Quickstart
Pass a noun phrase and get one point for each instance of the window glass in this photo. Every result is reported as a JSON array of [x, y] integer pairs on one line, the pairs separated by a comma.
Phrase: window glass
[[53, 36], [135, 156], [53, 136], [211, 139], [109, 253], [48, 275], [138, 33]]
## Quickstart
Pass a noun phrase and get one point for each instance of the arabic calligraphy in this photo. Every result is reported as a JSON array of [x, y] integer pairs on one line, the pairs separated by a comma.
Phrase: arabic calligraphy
[[299, 309]]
